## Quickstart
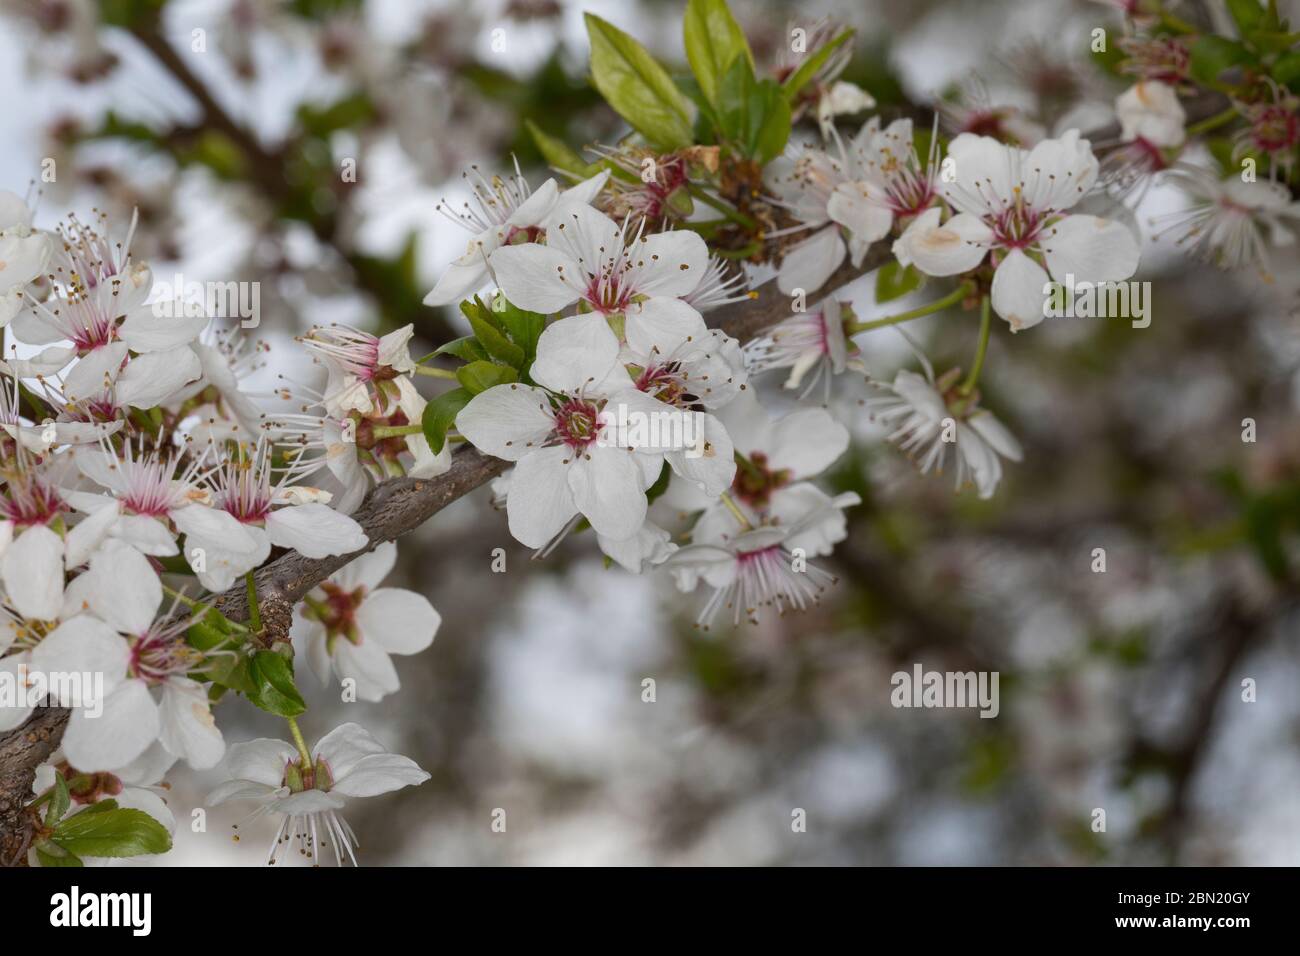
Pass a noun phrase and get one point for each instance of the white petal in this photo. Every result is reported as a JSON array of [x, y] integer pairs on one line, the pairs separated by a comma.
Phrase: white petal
[[459, 281], [345, 746], [153, 378], [147, 535], [214, 525], [649, 546], [259, 761], [401, 621], [143, 331], [536, 277], [126, 591], [369, 570], [668, 263], [1019, 290], [1091, 249], [607, 489], [84, 645], [996, 434], [658, 326], [128, 725], [369, 666], [714, 469], [507, 421], [948, 250], [860, 208], [379, 773], [32, 569], [585, 191], [575, 353], [540, 502], [806, 442], [15, 667], [1063, 170], [808, 265], [95, 372], [314, 530], [188, 729]]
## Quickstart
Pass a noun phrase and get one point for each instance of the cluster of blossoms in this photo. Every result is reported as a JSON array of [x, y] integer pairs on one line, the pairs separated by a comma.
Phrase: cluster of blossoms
[[138, 482], [629, 389]]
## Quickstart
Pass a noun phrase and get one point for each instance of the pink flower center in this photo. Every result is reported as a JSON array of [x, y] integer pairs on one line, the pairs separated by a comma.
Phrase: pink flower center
[[756, 480], [577, 423], [1017, 226], [31, 502], [338, 612], [1275, 130]]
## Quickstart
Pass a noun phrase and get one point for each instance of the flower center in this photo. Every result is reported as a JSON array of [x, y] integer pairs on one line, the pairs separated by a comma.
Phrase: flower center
[[577, 423], [518, 235], [668, 384], [1275, 130], [755, 480], [1017, 226], [160, 653], [315, 776], [338, 611], [31, 502]]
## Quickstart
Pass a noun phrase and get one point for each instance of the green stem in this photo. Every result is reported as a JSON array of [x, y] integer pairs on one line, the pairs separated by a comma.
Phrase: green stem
[[986, 326], [194, 605], [1214, 122], [735, 215], [742, 253], [1176, 24], [299, 742], [954, 297], [736, 512], [435, 372], [254, 612], [395, 431]]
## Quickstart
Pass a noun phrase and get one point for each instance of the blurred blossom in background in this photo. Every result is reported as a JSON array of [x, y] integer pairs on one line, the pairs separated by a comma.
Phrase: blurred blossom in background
[[1120, 690]]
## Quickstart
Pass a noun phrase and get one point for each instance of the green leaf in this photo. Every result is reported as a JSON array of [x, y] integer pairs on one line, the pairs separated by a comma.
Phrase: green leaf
[[773, 119], [754, 116], [894, 281], [660, 484], [524, 327], [1248, 14], [60, 800], [440, 414], [51, 855], [638, 88], [1286, 70], [480, 376], [1211, 55], [713, 41], [274, 689], [556, 152], [107, 830], [466, 348], [496, 344], [800, 78]]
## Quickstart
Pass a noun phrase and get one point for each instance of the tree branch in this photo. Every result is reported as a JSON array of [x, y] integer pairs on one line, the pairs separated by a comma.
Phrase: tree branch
[[21, 752]]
